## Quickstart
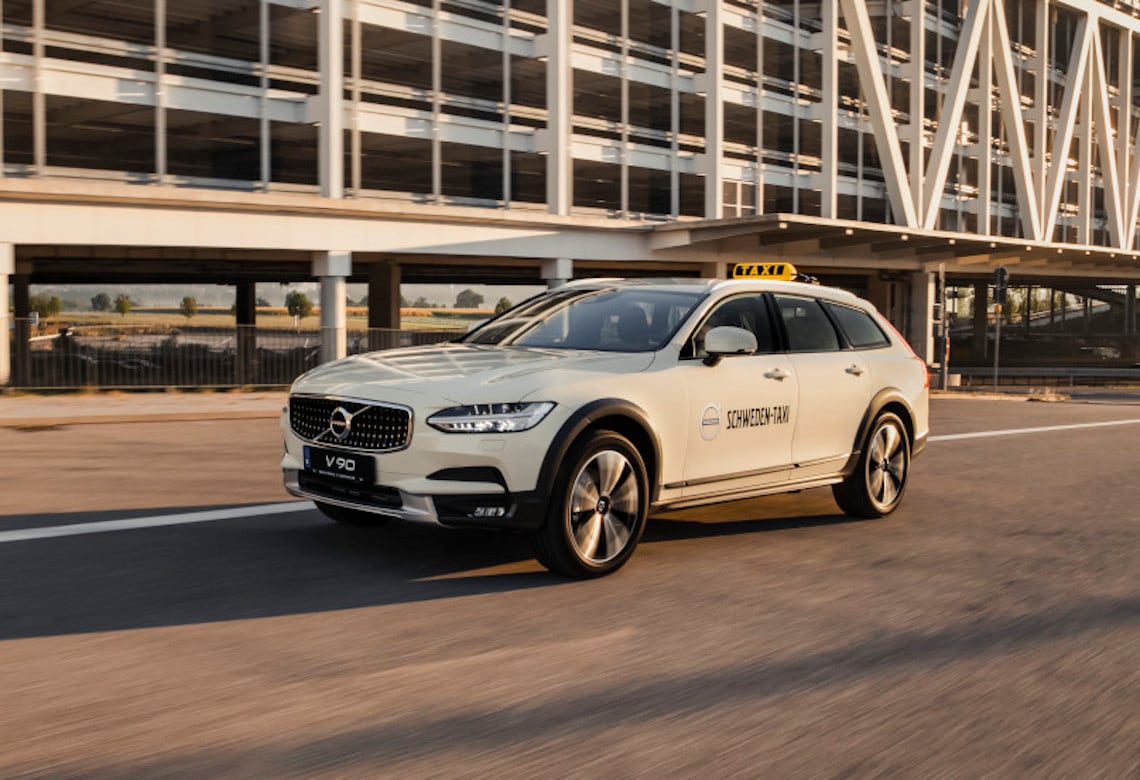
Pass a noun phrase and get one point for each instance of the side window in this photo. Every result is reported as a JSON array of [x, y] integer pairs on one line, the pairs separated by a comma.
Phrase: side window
[[742, 311], [808, 327], [860, 328]]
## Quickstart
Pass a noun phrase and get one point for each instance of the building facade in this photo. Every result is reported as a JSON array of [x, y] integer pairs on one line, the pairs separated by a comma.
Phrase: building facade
[[875, 144]]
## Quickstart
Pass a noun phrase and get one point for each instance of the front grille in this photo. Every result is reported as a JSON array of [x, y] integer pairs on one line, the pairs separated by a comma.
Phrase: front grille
[[373, 426]]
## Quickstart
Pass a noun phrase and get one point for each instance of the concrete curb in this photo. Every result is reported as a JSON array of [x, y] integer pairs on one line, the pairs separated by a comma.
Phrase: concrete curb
[[103, 419]]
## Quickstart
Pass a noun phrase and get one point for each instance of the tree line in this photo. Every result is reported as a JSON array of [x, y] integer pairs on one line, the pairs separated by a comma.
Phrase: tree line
[[297, 304]]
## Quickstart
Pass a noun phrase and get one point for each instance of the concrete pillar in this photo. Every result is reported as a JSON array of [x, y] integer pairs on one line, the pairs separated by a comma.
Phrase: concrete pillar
[[558, 271], [7, 268], [330, 55], [1130, 310], [332, 269], [829, 153], [1129, 350], [981, 320], [920, 325], [714, 109], [21, 367], [555, 45], [714, 270], [879, 293], [245, 308], [383, 305]]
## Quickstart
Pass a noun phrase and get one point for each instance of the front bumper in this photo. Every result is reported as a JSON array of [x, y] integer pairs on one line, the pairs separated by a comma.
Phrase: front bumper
[[458, 480], [502, 510]]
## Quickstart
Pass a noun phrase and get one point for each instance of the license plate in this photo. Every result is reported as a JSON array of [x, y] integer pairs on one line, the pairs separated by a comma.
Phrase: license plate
[[349, 466]]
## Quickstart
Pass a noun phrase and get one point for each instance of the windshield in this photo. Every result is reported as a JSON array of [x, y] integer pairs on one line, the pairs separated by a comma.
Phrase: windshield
[[616, 319]]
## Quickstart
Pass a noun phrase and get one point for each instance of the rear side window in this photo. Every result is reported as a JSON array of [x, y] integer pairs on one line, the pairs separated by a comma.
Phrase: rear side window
[[860, 327], [808, 327]]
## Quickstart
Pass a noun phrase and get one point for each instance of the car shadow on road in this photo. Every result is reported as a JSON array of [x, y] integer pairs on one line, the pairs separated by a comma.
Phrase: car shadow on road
[[671, 529], [277, 565]]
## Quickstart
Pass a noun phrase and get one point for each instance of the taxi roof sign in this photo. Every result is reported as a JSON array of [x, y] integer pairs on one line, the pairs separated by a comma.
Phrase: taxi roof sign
[[784, 272]]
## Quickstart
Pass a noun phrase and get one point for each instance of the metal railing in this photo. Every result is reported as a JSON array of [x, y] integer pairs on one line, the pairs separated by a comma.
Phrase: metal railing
[[114, 357]]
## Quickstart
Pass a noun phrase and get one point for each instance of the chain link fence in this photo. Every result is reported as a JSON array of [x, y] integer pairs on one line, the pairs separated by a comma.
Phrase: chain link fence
[[75, 357]]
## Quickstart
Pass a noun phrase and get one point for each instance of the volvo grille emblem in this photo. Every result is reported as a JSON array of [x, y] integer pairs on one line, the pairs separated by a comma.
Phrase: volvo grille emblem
[[340, 423]]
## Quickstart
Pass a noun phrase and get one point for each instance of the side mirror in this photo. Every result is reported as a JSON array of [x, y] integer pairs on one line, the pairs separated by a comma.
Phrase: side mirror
[[727, 340]]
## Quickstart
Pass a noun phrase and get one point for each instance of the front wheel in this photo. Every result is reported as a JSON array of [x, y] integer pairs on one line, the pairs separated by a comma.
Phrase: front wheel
[[597, 510], [353, 517], [876, 486]]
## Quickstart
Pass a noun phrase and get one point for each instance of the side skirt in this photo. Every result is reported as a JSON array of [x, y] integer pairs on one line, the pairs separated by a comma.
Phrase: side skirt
[[740, 495]]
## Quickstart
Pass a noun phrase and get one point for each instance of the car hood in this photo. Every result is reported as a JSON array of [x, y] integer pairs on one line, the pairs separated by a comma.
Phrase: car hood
[[462, 373]]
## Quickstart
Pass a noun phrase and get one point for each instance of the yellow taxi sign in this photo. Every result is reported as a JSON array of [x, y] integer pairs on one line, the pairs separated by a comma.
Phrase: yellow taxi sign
[[784, 272]]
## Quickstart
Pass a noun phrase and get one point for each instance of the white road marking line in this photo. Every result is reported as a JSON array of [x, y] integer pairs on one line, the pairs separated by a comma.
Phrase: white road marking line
[[156, 521], [1042, 429]]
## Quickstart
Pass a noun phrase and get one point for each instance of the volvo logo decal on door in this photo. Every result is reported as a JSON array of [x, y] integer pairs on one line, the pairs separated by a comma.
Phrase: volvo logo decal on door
[[710, 422]]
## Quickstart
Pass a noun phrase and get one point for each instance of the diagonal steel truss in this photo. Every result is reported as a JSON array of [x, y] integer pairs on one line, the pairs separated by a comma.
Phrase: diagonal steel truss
[[1082, 139]]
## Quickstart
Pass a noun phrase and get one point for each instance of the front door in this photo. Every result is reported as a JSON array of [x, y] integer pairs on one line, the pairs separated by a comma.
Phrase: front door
[[742, 411]]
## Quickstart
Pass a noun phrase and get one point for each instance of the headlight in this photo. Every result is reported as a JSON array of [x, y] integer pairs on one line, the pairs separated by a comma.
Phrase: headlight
[[491, 418]]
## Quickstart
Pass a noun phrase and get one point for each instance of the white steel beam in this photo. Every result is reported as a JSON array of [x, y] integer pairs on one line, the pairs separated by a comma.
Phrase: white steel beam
[[160, 91], [917, 102], [265, 157], [39, 99], [950, 118], [624, 76], [714, 110], [1084, 149], [829, 58], [1110, 177], [1041, 106], [985, 134], [879, 107], [1133, 203], [1124, 117], [1066, 120], [330, 57], [436, 103], [355, 58], [506, 140], [560, 107], [1014, 123]]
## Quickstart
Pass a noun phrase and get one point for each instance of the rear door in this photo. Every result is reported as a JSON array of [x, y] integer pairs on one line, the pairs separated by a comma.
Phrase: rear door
[[834, 386]]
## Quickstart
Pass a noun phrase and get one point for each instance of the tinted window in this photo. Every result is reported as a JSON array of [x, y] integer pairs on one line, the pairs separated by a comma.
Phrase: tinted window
[[624, 319], [743, 311], [808, 327], [861, 330]]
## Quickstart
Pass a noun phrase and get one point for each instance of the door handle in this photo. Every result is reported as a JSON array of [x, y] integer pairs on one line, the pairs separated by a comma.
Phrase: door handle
[[777, 373], [854, 370]]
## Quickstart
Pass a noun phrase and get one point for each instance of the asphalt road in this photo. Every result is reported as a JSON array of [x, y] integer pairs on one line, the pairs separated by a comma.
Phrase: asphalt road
[[991, 627]]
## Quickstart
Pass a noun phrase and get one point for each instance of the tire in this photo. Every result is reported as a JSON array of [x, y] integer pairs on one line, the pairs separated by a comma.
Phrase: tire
[[597, 509], [876, 486], [352, 517]]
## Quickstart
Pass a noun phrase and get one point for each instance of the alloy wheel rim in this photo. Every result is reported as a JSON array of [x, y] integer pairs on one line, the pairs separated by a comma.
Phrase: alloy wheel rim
[[604, 507], [886, 465]]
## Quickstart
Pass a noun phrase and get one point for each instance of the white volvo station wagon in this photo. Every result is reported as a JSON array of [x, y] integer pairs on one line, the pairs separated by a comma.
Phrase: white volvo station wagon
[[579, 412]]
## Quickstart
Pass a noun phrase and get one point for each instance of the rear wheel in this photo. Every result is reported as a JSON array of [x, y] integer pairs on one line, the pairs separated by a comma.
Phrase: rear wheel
[[353, 517], [876, 486], [598, 509]]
